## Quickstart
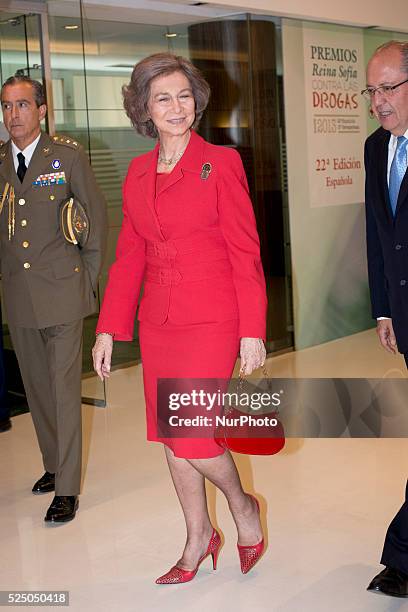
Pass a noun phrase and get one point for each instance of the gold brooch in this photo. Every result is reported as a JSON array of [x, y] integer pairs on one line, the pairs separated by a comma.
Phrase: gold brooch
[[205, 171]]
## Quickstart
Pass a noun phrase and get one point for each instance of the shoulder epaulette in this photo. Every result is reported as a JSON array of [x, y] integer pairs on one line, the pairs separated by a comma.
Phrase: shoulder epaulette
[[66, 140]]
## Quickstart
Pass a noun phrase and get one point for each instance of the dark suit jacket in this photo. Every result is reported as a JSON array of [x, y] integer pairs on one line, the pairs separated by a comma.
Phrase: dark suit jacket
[[387, 240], [46, 280], [194, 243]]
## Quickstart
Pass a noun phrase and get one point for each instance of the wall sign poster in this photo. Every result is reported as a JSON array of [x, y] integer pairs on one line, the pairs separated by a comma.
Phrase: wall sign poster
[[336, 115]]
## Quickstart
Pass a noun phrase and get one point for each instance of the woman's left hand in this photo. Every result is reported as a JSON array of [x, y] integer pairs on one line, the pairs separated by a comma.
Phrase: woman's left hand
[[102, 355], [253, 354]]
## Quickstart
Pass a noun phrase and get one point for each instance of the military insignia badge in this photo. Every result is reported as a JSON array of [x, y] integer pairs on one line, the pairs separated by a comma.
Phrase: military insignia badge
[[56, 164], [74, 222], [52, 178], [205, 171]]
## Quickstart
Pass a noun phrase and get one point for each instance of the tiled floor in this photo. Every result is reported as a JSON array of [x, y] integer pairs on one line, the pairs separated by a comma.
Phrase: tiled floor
[[326, 504]]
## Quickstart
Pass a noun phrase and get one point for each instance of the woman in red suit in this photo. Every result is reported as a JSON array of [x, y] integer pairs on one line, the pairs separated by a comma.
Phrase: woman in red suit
[[189, 233]]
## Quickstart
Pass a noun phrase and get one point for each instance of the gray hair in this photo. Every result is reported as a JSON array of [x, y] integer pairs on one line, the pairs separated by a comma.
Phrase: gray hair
[[396, 44], [38, 89]]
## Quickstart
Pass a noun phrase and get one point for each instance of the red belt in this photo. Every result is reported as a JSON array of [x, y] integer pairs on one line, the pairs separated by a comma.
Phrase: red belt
[[176, 275], [209, 240]]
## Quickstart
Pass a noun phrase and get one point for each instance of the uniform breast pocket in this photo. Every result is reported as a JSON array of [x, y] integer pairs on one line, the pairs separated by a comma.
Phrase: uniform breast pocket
[[47, 202], [51, 193]]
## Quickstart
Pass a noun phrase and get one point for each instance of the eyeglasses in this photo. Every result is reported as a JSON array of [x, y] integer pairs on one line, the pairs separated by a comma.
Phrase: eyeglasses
[[384, 90]]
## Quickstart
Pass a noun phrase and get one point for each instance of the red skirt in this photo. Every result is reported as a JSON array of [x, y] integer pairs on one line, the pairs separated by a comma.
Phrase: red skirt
[[207, 350]]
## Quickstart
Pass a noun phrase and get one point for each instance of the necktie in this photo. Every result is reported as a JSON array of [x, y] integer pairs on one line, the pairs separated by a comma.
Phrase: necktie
[[397, 171], [22, 168]]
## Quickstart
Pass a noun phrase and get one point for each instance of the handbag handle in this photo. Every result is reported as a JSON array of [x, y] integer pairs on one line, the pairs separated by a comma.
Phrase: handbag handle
[[242, 380]]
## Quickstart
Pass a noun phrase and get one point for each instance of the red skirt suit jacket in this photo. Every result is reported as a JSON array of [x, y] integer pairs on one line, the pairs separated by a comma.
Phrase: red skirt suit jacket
[[194, 244]]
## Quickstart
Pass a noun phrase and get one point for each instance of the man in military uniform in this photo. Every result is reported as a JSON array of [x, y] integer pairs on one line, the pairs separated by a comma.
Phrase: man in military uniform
[[49, 284]]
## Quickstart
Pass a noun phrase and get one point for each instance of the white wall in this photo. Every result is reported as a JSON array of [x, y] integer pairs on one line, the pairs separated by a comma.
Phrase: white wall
[[329, 275], [392, 15]]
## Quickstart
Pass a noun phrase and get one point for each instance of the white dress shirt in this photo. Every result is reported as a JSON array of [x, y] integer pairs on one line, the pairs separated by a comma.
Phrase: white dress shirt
[[28, 152]]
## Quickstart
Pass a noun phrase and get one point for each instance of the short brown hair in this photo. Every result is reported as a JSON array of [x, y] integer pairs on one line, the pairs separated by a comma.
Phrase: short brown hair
[[136, 94], [38, 89]]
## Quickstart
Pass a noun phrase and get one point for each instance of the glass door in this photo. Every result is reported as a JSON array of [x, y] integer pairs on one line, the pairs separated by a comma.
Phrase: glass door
[[20, 46], [19, 54]]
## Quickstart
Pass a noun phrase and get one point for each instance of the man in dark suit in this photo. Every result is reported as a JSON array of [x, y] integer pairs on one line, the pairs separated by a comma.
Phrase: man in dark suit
[[49, 284], [387, 249]]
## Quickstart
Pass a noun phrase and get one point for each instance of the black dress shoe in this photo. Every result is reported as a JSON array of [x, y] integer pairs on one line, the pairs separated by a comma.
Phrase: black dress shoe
[[5, 425], [62, 509], [45, 484], [391, 582]]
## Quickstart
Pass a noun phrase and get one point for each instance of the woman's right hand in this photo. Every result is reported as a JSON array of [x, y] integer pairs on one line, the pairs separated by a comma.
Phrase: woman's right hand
[[102, 355]]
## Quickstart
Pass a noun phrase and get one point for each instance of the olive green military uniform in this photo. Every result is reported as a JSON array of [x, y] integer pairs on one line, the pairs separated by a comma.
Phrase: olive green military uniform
[[48, 287]]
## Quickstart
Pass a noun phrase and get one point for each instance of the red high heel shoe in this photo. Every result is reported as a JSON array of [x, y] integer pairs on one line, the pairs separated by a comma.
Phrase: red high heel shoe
[[249, 555], [178, 575]]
